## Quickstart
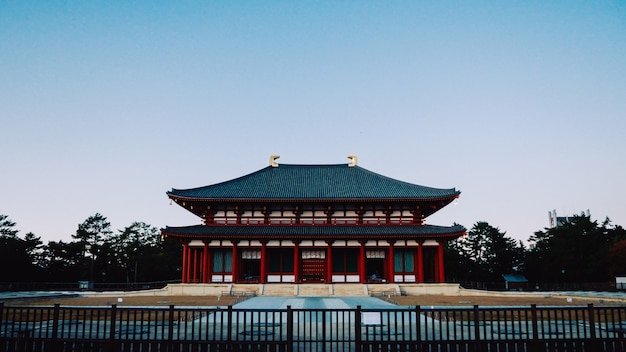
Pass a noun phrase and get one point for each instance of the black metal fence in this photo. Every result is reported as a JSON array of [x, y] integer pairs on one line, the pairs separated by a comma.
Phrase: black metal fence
[[538, 286], [180, 329], [75, 286]]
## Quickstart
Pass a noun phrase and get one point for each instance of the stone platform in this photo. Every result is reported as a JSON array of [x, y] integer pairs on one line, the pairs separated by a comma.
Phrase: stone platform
[[312, 290]]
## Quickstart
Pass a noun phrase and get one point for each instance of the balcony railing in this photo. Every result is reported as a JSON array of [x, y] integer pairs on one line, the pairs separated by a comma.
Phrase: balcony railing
[[313, 222]]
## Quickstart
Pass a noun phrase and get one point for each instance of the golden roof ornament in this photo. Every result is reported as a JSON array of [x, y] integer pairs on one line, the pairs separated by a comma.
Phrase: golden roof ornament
[[353, 160]]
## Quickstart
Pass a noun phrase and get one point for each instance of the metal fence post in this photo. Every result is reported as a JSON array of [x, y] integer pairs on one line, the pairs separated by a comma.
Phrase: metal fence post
[[55, 328], [535, 324], [324, 330], [477, 346], [592, 326], [418, 326], [229, 328], [112, 327], [357, 330], [289, 329], [170, 329]]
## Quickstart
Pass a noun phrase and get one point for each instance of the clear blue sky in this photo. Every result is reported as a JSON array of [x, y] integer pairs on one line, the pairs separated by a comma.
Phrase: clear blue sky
[[106, 105]]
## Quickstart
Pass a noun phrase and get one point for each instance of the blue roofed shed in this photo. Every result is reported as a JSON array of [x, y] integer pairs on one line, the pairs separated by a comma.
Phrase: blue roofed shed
[[515, 281]]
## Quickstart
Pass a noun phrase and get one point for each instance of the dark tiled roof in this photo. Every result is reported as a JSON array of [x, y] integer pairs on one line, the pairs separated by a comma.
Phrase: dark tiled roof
[[338, 181], [378, 232]]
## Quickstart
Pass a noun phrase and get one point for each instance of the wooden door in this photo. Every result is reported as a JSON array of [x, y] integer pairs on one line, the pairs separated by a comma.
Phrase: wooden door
[[313, 270]]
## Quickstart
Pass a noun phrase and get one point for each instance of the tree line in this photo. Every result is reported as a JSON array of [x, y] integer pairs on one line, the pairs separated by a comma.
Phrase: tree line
[[96, 253], [580, 250]]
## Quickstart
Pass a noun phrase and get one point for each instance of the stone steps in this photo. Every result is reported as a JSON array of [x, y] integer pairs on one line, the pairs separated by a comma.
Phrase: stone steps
[[386, 288], [310, 290], [345, 290], [313, 290], [245, 289], [277, 290]]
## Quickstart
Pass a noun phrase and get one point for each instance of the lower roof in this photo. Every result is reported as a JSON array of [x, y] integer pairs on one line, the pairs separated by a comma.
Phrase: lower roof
[[335, 232]]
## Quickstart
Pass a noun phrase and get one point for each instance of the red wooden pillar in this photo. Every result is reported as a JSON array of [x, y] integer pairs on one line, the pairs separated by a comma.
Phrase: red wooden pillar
[[234, 263], [263, 262], [420, 262], [296, 262], [329, 262], [362, 263], [392, 270], [195, 265], [442, 277], [205, 263], [185, 249], [201, 265]]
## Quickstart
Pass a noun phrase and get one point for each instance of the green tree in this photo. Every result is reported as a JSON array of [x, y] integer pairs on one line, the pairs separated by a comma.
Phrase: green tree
[[7, 227], [617, 258], [574, 252], [91, 236], [486, 253], [165, 263], [34, 249], [134, 254], [132, 247], [63, 261], [18, 256]]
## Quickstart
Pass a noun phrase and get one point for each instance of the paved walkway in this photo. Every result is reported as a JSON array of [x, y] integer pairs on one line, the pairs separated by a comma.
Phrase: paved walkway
[[313, 303], [8, 295]]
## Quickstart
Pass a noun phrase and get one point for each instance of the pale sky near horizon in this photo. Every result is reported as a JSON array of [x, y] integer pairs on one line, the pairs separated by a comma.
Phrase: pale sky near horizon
[[106, 105]]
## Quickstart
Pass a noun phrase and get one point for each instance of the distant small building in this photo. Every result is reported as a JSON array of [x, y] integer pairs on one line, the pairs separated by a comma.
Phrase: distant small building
[[515, 281], [558, 221]]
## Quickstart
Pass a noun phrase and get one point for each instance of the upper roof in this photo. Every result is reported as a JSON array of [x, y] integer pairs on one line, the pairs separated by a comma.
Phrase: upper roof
[[308, 182]]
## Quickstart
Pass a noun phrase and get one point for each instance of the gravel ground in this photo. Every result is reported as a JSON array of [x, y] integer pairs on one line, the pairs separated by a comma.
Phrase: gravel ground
[[423, 300], [130, 301]]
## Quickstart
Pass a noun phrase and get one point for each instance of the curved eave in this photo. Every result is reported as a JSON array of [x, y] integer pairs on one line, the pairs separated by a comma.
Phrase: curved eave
[[244, 232], [312, 200], [188, 203]]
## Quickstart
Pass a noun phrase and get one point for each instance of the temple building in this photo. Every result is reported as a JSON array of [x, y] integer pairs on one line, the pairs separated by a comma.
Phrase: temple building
[[336, 223]]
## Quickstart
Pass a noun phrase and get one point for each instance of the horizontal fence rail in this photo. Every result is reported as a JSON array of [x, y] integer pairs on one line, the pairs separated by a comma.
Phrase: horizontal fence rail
[[145, 329]]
